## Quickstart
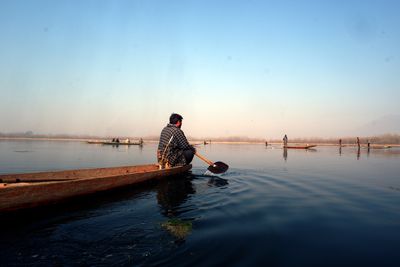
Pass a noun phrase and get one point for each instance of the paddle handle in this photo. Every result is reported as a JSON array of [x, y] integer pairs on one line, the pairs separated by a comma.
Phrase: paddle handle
[[209, 162]]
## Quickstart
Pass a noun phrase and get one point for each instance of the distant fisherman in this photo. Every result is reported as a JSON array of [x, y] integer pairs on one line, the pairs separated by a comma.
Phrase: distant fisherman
[[285, 141], [173, 148]]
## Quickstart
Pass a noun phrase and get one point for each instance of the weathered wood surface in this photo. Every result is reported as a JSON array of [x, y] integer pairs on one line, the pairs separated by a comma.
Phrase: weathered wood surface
[[31, 193]]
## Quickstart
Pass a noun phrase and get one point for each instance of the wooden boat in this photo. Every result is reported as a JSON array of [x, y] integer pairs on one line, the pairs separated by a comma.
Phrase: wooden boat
[[300, 147], [95, 142], [116, 143], [377, 147], [122, 143], [20, 191]]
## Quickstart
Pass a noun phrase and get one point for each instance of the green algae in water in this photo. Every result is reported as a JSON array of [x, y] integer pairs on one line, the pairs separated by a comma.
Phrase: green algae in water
[[178, 227]]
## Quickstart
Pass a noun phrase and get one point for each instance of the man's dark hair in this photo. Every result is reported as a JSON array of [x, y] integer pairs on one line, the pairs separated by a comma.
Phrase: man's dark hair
[[174, 118]]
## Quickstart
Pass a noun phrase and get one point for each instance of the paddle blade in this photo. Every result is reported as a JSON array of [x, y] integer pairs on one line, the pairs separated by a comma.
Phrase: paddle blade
[[218, 167]]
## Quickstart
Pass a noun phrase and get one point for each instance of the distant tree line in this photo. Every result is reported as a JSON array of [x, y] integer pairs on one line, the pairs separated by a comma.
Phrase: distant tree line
[[30, 134], [379, 139], [229, 139]]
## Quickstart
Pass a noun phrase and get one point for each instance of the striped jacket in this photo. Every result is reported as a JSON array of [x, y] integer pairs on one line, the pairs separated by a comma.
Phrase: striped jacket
[[172, 152]]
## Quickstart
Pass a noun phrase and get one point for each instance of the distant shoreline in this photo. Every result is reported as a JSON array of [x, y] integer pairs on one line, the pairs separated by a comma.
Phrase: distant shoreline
[[199, 142]]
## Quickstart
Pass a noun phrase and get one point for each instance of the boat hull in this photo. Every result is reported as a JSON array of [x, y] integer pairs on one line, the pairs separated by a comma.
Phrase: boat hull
[[94, 142], [115, 143], [23, 195], [121, 143], [378, 147], [300, 147]]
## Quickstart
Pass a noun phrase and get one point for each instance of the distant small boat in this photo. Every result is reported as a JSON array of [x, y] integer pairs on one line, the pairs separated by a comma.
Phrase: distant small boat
[[116, 143], [300, 147], [27, 190], [378, 147], [95, 142], [122, 143]]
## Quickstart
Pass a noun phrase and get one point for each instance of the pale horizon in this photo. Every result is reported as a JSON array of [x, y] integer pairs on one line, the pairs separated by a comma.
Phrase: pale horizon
[[261, 69]]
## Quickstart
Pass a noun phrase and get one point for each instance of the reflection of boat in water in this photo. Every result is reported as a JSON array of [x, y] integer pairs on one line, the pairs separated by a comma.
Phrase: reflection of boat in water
[[20, 191], [299, 147]]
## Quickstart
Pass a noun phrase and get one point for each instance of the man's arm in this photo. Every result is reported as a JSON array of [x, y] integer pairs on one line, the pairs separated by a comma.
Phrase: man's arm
[[182, 141]]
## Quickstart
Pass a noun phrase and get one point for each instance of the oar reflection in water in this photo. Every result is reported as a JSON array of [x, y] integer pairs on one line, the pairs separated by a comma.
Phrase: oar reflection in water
[[217, 181]]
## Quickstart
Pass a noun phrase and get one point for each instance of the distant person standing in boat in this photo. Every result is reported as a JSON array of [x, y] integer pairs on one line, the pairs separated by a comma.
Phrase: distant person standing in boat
[[173, 148], [285, 141]]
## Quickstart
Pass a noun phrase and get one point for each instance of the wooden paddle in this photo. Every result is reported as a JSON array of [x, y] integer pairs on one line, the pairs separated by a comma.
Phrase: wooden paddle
[[215, 167]]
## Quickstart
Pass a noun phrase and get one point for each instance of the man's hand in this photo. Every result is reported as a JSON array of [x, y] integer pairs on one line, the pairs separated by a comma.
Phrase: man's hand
[[158, 155]]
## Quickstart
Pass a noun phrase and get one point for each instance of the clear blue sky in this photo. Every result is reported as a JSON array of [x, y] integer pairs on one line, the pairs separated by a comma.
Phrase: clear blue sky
[[249, 68]]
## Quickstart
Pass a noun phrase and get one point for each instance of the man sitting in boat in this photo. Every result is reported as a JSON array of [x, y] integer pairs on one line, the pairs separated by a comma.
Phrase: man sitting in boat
[[173, 148]]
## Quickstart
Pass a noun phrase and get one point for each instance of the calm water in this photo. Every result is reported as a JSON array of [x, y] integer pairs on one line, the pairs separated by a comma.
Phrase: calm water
[[320, 207]]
